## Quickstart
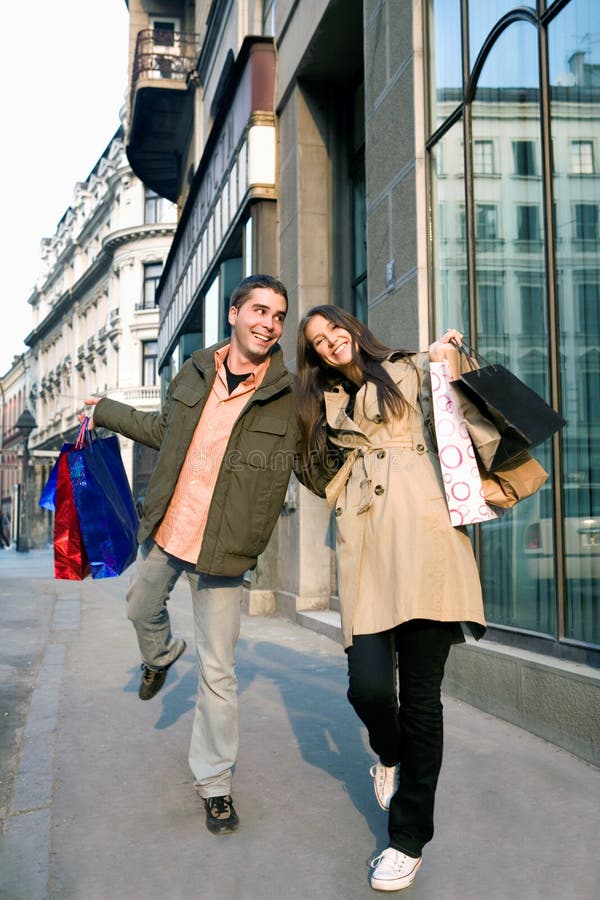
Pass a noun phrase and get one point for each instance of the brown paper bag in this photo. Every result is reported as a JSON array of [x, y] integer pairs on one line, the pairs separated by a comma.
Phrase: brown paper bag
[[513, 482]]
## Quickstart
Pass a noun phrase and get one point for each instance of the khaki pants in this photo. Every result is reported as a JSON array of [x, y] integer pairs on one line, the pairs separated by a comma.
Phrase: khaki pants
[[216, 604]]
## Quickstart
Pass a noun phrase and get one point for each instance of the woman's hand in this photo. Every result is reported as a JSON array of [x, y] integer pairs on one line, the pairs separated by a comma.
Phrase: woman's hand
[[444, 347], [88, 414]]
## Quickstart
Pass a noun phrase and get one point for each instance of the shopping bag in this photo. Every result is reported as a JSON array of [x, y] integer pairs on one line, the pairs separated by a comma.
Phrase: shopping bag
[[70, 559], [104, 504], [483, 433], [460, 472], [522, 417], [514, 481], [48, 496]]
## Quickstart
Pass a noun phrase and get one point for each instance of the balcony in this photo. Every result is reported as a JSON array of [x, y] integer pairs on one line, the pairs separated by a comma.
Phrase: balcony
[[161, 108], [148, 395]]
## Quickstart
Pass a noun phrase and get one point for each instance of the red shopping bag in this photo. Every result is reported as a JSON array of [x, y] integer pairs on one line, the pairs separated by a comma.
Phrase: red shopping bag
[[70, 559]]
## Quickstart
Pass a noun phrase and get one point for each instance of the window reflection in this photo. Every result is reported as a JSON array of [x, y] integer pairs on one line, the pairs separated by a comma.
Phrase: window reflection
[[483, 17], [511, 314], [449, 269], [574, 63], [507, 248], [445, 58]]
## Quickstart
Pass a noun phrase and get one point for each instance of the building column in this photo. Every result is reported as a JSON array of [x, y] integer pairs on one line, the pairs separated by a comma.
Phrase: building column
[[305, 554]]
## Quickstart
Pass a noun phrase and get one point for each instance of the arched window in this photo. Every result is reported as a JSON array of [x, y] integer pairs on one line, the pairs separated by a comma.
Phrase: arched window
[[513, 147]]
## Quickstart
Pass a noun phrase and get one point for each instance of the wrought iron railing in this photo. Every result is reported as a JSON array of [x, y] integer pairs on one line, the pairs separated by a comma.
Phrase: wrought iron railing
[[164, 55]]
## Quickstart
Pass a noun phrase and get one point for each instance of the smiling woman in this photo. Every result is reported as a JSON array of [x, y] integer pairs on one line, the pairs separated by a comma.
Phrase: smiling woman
[[333, 343], [406, 577]]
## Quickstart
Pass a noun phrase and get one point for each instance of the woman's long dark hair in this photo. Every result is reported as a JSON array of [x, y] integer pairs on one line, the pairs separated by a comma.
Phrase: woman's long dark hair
[[313, 378]]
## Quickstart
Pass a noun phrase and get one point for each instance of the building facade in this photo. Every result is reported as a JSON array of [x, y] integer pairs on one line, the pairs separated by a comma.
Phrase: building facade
[[424, 164], [13, 396], [95, 317]]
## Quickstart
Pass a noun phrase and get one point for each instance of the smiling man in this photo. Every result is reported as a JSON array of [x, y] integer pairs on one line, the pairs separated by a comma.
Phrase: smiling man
[[226, 438]]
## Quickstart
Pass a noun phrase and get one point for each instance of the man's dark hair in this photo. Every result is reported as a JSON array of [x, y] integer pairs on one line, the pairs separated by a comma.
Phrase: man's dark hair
[[245, 288]]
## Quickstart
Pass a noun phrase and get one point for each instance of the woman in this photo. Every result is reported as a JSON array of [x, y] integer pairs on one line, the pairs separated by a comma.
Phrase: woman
[[406, 577]]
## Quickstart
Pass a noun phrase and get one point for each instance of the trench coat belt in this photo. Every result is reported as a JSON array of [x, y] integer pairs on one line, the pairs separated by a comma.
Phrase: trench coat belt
[[340, 479]]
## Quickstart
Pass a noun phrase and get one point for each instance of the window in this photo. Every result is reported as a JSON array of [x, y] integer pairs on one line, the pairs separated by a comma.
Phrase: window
[[524, 157], [269, 17], [490, 310], [359, 241], [586, 221], [483, 158], [152, 273], [508, 109], [588, 386], [582, 158], [588, 311], [164, 32], [149, 359], [532, 310], [528, 222], [153, 208], [486, 222]]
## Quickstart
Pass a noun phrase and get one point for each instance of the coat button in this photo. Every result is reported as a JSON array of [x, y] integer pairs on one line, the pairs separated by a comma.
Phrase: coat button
[[380, 454], [378, 419], [420, 447], [338, 511], [379, 489]]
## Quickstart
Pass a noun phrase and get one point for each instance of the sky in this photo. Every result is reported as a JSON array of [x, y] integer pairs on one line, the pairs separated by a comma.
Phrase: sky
[[63, 70]]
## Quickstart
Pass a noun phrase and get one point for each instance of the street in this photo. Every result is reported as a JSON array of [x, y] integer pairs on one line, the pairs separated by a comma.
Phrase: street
[[97, 802]]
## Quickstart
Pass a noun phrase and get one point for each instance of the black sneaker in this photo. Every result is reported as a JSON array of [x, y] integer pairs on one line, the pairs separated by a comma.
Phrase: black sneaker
[[153, 679], [221, 817]]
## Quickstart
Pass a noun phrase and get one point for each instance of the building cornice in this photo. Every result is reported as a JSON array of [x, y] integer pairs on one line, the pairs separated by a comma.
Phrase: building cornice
[[94, 273]]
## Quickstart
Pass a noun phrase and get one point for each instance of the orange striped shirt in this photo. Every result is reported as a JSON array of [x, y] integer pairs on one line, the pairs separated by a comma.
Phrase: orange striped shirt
[[181, 530]]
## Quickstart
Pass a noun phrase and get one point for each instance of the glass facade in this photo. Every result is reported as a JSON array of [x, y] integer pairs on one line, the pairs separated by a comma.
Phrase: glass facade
[[513, 156]]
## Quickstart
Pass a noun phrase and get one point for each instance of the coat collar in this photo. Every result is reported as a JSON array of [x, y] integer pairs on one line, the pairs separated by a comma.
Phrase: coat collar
[[276, 379], [337, 399]]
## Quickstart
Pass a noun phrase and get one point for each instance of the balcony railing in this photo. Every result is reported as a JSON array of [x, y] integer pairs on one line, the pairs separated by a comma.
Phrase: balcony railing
[[163, 55], [142, 394]]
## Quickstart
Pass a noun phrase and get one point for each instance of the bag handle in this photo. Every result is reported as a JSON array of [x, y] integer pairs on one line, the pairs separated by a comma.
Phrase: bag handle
[[471, 352], [84, 434]]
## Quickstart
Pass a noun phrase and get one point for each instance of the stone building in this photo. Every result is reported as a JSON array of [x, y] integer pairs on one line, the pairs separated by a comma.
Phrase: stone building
[[423, 169], [95, 318], [13, 397]]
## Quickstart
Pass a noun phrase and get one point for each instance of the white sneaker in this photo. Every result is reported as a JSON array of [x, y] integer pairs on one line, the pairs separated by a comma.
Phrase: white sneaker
[[393, 870], [385, 782]]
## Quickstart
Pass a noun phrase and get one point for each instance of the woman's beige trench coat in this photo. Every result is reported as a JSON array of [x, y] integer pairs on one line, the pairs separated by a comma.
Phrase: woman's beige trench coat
[[398, 556]]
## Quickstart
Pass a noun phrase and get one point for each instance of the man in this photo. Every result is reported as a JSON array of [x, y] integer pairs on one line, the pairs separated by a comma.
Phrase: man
[[226, 438], [5, 530]]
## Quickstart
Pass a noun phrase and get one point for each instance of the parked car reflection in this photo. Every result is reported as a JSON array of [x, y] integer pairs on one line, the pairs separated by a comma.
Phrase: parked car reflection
[[581, 533]]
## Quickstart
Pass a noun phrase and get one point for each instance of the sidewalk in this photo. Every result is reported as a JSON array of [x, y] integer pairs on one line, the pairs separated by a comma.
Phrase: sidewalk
[[97, 799]]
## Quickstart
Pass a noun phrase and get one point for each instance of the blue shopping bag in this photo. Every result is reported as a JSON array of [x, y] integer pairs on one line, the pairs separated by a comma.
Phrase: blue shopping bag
[[48, 495], [104, 504]]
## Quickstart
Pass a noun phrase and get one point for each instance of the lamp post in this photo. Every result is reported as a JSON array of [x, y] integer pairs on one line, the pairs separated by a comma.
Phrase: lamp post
[[25, 424]]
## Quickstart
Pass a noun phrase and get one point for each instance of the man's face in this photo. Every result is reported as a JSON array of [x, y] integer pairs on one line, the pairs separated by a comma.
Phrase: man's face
[[257, 324]]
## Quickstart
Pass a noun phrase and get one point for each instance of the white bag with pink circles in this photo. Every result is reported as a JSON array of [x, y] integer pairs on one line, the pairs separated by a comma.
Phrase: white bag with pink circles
[[464, 493]]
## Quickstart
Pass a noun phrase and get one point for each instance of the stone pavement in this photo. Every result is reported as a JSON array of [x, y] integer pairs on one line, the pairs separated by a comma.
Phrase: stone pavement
[[96, 797]]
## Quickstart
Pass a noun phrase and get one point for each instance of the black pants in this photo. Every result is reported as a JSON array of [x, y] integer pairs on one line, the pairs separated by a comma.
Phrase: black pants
[[404, 716]]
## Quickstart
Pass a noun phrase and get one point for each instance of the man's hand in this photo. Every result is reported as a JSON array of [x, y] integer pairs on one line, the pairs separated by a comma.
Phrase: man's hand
[[88, 413]]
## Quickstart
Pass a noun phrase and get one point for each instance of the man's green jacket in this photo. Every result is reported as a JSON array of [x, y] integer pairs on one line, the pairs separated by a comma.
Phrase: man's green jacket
[[255, 471]]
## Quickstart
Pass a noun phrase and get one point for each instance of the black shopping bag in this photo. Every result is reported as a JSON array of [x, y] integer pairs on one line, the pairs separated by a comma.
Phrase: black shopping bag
[[522, 417]]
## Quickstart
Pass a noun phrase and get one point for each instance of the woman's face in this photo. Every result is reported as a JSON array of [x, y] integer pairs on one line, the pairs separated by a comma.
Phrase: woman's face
[[332, 343]]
